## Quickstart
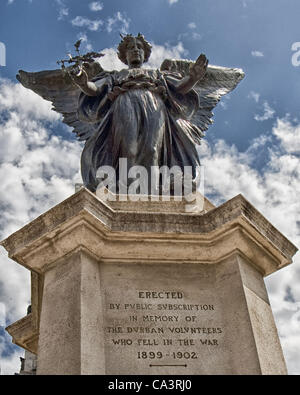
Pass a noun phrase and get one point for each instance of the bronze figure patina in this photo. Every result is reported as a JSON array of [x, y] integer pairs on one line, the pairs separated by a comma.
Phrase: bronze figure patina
[[151, 117]]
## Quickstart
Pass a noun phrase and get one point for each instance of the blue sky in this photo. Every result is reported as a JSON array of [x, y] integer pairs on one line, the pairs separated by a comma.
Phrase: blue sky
[[253, 147]]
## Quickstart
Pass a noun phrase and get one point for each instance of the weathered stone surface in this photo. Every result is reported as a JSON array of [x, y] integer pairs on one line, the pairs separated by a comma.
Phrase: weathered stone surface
[[71, 339], [196, 203], [201, 273]]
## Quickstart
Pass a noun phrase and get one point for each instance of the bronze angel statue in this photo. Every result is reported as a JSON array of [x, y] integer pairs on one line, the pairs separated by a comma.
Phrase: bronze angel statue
[[151, 117]]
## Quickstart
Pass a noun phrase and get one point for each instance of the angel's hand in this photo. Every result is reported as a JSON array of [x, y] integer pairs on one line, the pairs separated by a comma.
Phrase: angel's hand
[[198, 70], [79, 76]]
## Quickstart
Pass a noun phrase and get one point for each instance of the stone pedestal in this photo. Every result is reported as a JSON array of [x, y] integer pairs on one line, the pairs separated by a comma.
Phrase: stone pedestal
[[125, 289]]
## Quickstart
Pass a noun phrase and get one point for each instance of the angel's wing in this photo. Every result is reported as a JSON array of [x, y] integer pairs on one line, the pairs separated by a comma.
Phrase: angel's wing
[[217, 82], [56, 86]]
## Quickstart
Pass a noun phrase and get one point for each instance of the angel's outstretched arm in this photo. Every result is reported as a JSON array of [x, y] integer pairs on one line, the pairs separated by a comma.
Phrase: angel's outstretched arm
[[80, 78], [196, 74]]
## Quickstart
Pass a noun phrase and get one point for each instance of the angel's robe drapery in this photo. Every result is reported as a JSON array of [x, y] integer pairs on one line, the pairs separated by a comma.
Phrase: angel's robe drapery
[[139, 115]]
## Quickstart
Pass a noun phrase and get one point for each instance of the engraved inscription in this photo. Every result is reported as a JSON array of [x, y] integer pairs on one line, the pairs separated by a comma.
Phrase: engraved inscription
[[162, 326]]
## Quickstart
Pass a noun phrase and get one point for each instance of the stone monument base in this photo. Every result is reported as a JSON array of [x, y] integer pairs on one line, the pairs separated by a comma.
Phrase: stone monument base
[[127, 289]]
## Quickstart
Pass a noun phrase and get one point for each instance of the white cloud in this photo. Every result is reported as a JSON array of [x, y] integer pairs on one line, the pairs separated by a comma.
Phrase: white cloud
[[288, 135], [268, 113], [118, 22], [92, 25], [192, 25], [171, 2], [257, 54], [14, 97], [63, 10], [2, 314], [37, 170], [111, 61], [162, 52], [62, 13], [189, 35], [96, 6], [196, 36], [254, 95]]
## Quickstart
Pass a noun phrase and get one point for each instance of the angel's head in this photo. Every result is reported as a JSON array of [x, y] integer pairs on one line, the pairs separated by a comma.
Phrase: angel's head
[[134, 51]]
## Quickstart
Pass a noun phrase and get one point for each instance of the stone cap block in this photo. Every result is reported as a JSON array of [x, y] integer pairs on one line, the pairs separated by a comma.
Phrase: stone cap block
[[85, 221]]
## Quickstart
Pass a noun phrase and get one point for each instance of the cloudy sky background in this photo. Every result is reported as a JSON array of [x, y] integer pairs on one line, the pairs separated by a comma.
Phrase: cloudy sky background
[[253, 147]]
